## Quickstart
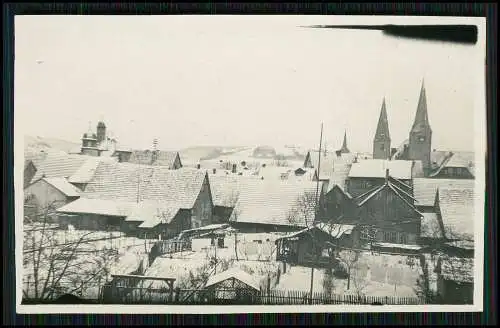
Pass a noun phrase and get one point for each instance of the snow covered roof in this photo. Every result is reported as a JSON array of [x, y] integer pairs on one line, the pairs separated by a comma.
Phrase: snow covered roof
[[152, 213], [430, 227], [335, 230], [86, 171], [461, 159], [339, 175], [424, 189], [226, 188], [400, 246], [234, 273], [274, 172], [98, 206], [163, 158], [276, 202], [457, 213], [376, 168], [129, 182], [149, 213], [325, 161], [458, 269], [332, 229], [63, 186], [59, 164]]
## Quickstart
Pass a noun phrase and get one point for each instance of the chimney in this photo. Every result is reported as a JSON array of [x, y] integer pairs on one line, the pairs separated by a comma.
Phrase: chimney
[[214, 170], [198, 166], [234, 169]]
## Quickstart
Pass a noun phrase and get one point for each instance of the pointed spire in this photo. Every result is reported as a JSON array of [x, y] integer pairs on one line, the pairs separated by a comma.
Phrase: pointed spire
[[421, 117], [383, 124], [344, 148]]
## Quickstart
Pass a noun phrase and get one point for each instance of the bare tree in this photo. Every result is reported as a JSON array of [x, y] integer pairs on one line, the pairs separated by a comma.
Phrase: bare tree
[[348, 259], [303, 211], [359, 281], [328, 282], [53, 266], [232, 202]]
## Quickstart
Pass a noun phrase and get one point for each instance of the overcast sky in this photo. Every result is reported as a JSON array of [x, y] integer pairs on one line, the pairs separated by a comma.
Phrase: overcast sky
[[237, 80]]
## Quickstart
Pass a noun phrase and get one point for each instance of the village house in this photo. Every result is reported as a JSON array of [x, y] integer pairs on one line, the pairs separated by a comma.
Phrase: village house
[[456, 165], [317, 245], [424, 190], [77, 169], [143, 200], [367, 174], [455, 213], [45, 195], [455, 280], [388, 215], [225, 191], [170, 159], [276, 206]]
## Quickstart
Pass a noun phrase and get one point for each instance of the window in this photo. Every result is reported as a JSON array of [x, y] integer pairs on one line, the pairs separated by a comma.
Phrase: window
[[403, 238], [382, 147], [421, 139], [391, 237]]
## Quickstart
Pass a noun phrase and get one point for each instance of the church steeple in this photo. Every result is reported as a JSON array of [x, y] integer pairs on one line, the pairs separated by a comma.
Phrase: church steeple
[[382, 139], [419, 147], [344, 149], [421, 117]]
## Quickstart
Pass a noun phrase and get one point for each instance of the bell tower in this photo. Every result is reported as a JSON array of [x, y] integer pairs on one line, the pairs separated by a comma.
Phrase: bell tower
[[420, 140], [382, 139]]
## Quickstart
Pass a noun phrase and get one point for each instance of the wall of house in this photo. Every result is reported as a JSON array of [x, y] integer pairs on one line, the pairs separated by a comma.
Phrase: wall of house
[[43, 194], [336, 204], [177, 163], [92, 222], [250, 227], [221, 214], [391, 215], [358, 186], [80, 186], [203, 207], [454, 173], [452, 292]]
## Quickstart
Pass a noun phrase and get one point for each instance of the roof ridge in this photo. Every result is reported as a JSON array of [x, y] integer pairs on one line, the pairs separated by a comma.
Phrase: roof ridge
[[412, 206], [404, 192], [376, 191]]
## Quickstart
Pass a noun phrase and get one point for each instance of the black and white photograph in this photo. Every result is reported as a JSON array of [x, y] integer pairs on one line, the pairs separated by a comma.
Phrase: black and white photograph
[[218, 164]]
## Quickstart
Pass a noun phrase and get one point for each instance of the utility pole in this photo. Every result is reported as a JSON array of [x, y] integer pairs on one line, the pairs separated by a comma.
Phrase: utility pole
[[316, 207]]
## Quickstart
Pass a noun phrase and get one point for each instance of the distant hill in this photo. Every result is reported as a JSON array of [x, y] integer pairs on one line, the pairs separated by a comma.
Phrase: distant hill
[[32, 143], [192, 155]]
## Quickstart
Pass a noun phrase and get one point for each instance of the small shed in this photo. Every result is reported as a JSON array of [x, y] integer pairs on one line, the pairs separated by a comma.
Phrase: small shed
[[311, 246], [233, 285]]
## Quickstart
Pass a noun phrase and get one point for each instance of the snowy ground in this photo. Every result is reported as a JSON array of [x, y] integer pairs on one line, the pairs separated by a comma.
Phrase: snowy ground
[[179, 266], [376, 275]]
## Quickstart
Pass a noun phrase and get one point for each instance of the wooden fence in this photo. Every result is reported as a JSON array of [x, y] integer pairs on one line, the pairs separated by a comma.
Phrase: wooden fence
[[134, 295]]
